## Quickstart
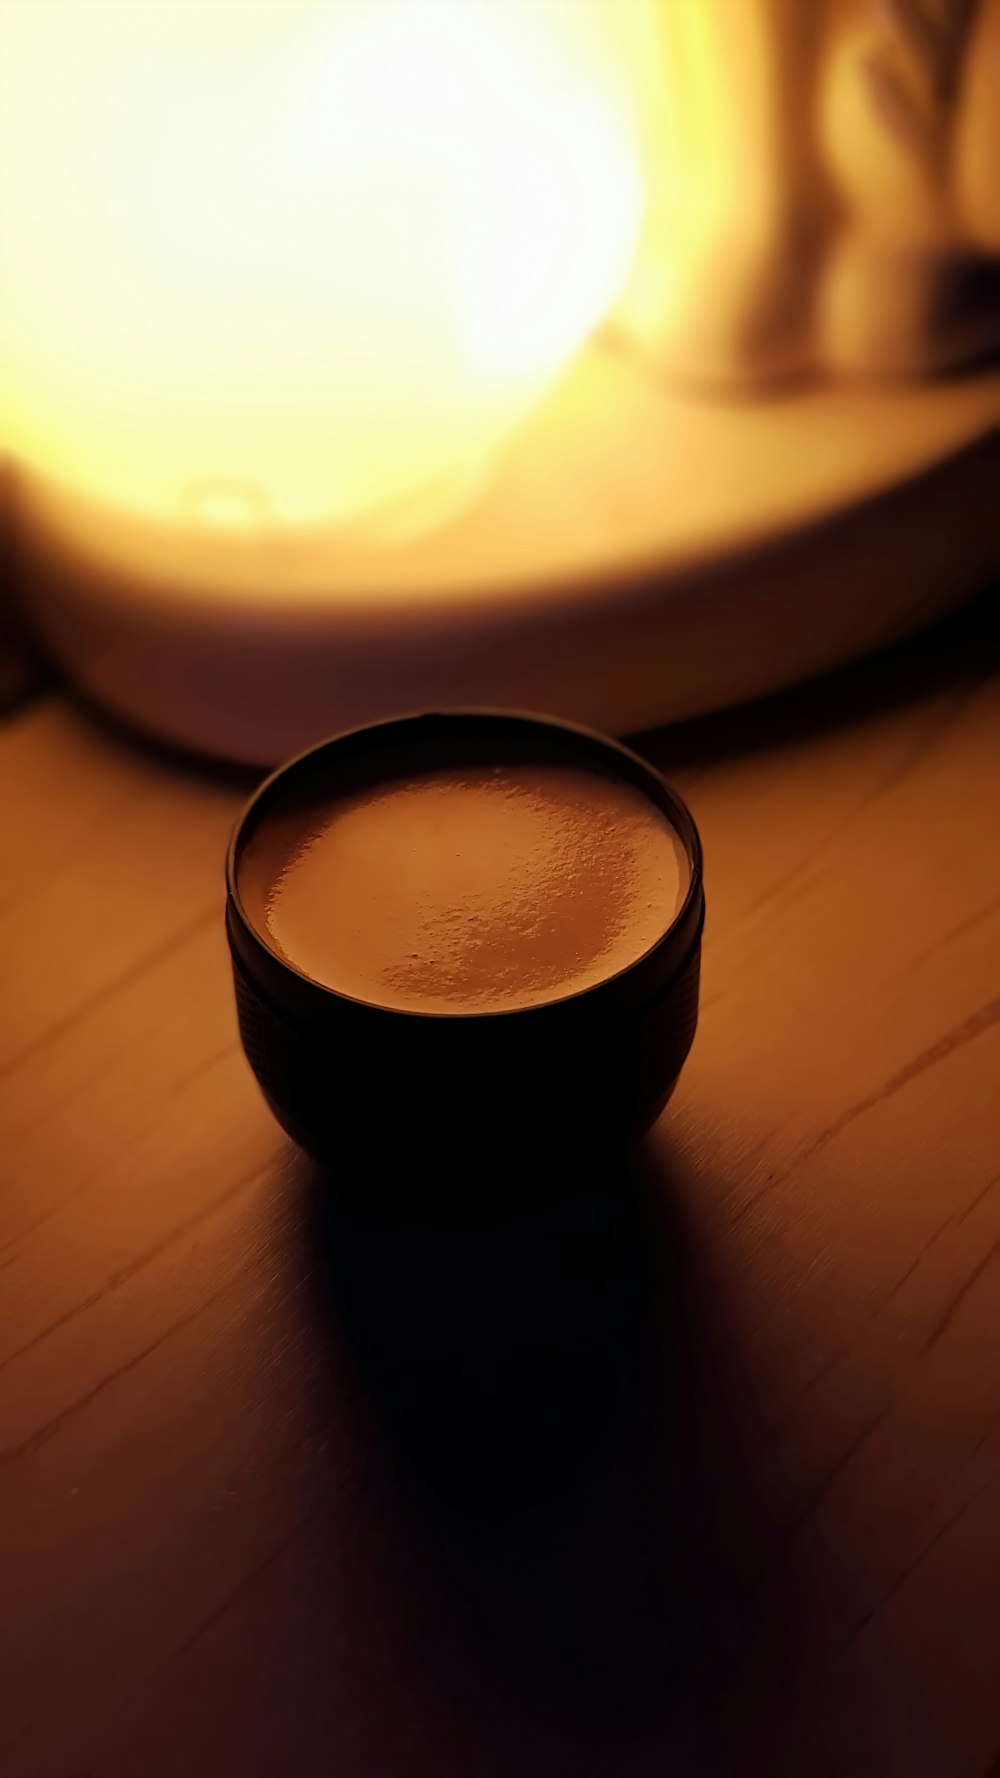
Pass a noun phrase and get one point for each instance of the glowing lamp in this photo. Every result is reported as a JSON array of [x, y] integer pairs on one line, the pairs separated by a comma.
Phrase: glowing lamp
[[353, 352], [297, 264]]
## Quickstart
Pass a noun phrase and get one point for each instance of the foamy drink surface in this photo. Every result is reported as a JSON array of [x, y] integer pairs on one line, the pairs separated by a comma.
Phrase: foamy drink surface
[[467, 889]]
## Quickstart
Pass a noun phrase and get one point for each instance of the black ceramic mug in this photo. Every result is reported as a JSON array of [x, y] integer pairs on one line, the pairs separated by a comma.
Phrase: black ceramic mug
[[413, 1106]]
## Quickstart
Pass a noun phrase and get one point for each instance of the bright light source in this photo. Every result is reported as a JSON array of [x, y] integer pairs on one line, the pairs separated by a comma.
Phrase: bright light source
[[297, 261]]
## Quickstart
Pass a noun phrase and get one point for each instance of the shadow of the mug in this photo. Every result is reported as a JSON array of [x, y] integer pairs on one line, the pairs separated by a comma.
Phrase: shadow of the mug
[[555, 1396]]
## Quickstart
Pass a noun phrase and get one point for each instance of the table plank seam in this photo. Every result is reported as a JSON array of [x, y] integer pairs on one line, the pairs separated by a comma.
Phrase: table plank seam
[[41, 1436], [976, 1025], [952, 1308], [136, 969], [124, 1273], [911, 1567]]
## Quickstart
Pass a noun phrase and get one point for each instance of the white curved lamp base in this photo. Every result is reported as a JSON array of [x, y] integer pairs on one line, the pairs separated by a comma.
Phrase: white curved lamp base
[[638, 556]]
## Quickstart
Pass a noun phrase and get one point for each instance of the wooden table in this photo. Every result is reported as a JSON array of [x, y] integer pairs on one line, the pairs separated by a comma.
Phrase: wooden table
[[724, 1497]]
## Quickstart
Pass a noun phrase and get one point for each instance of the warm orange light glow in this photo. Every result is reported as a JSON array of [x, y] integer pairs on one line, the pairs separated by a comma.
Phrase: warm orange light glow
[[298, 261]]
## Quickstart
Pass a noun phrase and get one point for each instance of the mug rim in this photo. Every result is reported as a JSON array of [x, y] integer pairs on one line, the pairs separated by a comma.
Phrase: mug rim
[[473, 719]]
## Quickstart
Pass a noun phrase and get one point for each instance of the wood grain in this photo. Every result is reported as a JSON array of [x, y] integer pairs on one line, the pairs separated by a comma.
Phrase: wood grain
[[723, 1495]]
